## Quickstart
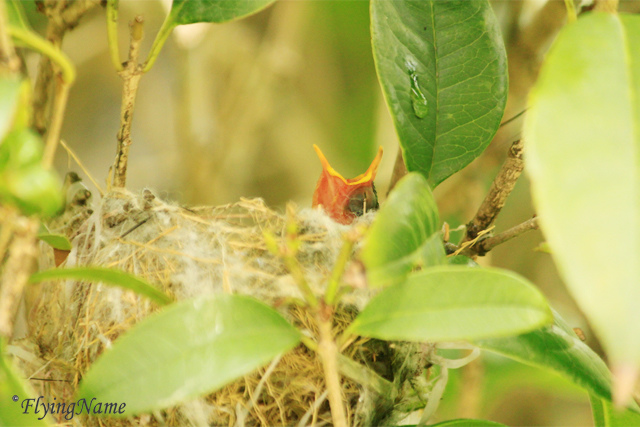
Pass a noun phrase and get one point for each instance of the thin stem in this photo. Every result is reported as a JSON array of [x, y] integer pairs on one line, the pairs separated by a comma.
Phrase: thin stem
[[131, 75], [500, 189], [37, 43], [292, 264], [571, 11], [339, 268], [167, 26], [53, 137], [112, 33], [7, 50], [328, 352]]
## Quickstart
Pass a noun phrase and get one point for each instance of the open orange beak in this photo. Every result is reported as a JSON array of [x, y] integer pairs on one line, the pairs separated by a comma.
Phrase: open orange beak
[[345, 199]]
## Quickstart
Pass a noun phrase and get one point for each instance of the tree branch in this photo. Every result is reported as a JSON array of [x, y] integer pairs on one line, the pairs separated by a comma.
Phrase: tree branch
[[500, 189], [485, 245], [131, 75]]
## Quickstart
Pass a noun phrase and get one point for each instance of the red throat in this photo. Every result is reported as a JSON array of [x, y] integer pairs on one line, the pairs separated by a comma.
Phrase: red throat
[[334, 193]]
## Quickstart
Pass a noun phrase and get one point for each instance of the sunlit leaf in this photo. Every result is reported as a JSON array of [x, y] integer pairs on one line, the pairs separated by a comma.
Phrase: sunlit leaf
[[34, 189], [466, 422], [192, 11], [16, 14], [443, 70], [606, 415], [189, 349], [449, 303], [557, 348], [104, 275], [403, 234], [582, 131]]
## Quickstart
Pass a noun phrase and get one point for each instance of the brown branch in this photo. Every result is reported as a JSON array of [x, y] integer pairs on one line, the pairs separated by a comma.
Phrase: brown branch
[[500, 189], [131, 75], [61, 19], [485, 245], [16, 271]]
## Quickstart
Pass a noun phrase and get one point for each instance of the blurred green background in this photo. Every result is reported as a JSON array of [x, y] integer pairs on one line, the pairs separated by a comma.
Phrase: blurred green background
[[232, 111]]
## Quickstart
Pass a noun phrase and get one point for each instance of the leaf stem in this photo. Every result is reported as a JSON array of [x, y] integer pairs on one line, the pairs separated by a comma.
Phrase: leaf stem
[[112, 33], [37, 43], [328, 352], [571, 11], [167, 26]]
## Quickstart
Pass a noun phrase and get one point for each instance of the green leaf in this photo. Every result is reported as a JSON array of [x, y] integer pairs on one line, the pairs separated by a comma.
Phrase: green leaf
[[403, 235], [449, 303], [189, 349], [583, 136], [462, 260], [21, 148], [33, 189], [16, 14], [606, 415], [443, 70], [557, 348], [217, 11], [107, 276], [11, 384], [56, 241], [9, 96]]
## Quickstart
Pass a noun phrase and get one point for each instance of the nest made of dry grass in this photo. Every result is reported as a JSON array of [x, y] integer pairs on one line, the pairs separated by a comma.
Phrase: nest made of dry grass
[[189, 253]]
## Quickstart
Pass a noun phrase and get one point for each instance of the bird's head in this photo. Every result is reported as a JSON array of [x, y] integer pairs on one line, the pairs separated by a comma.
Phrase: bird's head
[[346, 199]]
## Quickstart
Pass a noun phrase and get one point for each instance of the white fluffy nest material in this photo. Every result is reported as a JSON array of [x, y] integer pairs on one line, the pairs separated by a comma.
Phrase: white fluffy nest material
[[189, 253]]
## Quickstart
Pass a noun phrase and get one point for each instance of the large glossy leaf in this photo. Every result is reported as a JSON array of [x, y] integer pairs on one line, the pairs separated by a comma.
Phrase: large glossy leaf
[[443, 70], [192, 11], [449, 303], [189, 349], [12, 410], [557, 348], [583, 136], [104, 275], [9, 93], [403, 235], [606, 415]]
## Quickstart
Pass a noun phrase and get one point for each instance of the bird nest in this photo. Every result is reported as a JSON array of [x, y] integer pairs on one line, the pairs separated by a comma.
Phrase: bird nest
[[188, 253]]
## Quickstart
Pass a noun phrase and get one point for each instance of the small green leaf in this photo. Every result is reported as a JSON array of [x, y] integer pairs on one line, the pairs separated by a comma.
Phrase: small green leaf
[[11, 384], [462, 260], [56, 241], [443, 70], [217, 11], [189, 349], [557, 348], [403, 235], [21, 148], [9, 94], [107, 276], [583, 136], [449, 303], [606, 415]]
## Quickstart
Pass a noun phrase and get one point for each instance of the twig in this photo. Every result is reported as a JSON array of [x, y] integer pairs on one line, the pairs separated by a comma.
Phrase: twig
[[112, 33], [328, 352], [131, 75], [8, 57], [16, 271], [500, 189], [53, 136], [485, 245], [61, 20]]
